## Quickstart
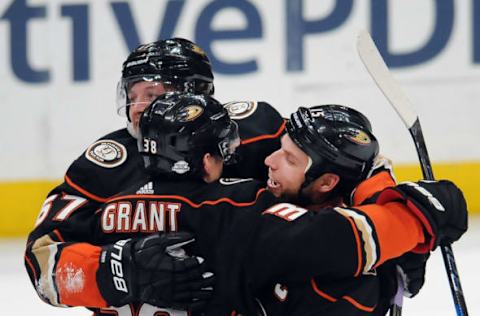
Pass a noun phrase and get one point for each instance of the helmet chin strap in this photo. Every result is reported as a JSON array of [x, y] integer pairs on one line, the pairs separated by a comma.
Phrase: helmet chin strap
[[302, 197], [308, 179]]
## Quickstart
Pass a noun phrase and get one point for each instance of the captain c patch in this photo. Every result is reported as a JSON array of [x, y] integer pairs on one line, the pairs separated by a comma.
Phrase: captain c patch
[[106, 153]]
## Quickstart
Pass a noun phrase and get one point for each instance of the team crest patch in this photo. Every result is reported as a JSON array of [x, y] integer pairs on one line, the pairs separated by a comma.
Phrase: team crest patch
[[106, 153], [238, 110], [360, 138], [197, 49], [190, 113]]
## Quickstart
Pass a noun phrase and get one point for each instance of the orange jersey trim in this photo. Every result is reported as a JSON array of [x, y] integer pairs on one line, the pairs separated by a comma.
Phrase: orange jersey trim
[[370, 186], [76, 278], [85, 192], [188, 201], [321, 293], [349, 299], [398, 230], [358, 305], [265, 136]]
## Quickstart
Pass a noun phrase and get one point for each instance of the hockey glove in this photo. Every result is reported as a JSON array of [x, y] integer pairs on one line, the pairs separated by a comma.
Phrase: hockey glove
[[154, 270], [411, 267], [439, 205]]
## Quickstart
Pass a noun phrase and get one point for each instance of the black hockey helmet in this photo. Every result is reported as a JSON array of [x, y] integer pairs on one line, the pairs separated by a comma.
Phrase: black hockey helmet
[[178, 129], [337, 139], [179, 64]]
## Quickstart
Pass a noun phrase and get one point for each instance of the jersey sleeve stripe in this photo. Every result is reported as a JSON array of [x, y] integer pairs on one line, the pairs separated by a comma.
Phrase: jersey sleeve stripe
[[359, 246], [85, 192], [188, 201], [369, 243], [45, 249], [265, 136], [397, 229]]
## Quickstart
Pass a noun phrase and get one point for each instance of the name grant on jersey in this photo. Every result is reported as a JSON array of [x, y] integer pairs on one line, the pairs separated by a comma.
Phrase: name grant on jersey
[[147, 217]]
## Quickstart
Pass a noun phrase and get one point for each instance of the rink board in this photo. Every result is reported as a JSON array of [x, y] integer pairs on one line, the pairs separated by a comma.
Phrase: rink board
[[22, 200]]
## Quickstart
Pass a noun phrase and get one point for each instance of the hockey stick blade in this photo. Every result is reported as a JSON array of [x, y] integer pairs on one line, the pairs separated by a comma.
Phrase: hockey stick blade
[[378, 70]]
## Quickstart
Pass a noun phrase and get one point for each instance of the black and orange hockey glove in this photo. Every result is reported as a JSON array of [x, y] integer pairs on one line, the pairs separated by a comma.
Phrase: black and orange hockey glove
[[439, 205], [154, 270]]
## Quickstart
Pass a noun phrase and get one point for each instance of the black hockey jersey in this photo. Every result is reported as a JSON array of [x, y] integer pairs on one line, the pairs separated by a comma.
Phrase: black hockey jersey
[[111, 165], [206, 210], [294, 261], [228, 213], [63, 250]]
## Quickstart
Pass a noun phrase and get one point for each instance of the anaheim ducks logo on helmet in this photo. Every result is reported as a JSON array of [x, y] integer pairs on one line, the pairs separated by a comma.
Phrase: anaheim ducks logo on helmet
[[196, 49], [190, 113], [360, 137]]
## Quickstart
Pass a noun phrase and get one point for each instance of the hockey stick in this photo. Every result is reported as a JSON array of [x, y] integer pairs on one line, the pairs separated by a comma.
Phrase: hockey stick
[[378, 70]]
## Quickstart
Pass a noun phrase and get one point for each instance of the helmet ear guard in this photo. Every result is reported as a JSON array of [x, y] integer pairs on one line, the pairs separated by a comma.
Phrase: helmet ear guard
[[337, 139]]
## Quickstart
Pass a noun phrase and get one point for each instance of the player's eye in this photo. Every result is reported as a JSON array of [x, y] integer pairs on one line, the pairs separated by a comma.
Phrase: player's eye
[[290, 160], [133, 98]]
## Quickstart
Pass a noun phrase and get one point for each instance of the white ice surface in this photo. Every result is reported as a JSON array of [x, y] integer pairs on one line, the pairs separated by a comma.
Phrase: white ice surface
[[18, 297]]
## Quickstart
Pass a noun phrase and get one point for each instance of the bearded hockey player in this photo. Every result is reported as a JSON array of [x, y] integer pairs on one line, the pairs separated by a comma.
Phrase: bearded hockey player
[[327, 151]]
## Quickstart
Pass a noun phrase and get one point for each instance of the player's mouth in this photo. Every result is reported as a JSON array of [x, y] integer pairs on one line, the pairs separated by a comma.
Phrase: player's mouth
[[274, 186]]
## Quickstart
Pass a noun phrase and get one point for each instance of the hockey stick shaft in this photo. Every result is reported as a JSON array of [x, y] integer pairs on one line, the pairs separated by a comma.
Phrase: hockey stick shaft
[[379, 72], [447, 252]]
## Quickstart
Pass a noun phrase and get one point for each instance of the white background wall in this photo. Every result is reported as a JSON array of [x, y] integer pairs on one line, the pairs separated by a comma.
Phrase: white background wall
[[46, 125]]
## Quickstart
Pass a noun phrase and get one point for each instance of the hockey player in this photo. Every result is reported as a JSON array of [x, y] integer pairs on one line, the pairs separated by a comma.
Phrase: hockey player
[[112, 164], [326, 152], [186, 139]]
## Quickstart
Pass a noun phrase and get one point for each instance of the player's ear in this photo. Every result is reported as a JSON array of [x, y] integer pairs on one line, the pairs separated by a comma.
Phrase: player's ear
[[212, 168], [326, 182]]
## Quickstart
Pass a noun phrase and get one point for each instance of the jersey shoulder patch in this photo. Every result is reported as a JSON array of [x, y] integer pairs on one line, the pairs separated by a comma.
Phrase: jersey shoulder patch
[[106, 153], [238, 110]]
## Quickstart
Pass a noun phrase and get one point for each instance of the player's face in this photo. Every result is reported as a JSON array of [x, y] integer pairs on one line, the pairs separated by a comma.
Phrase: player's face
[[141, 94], [286, 169]]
